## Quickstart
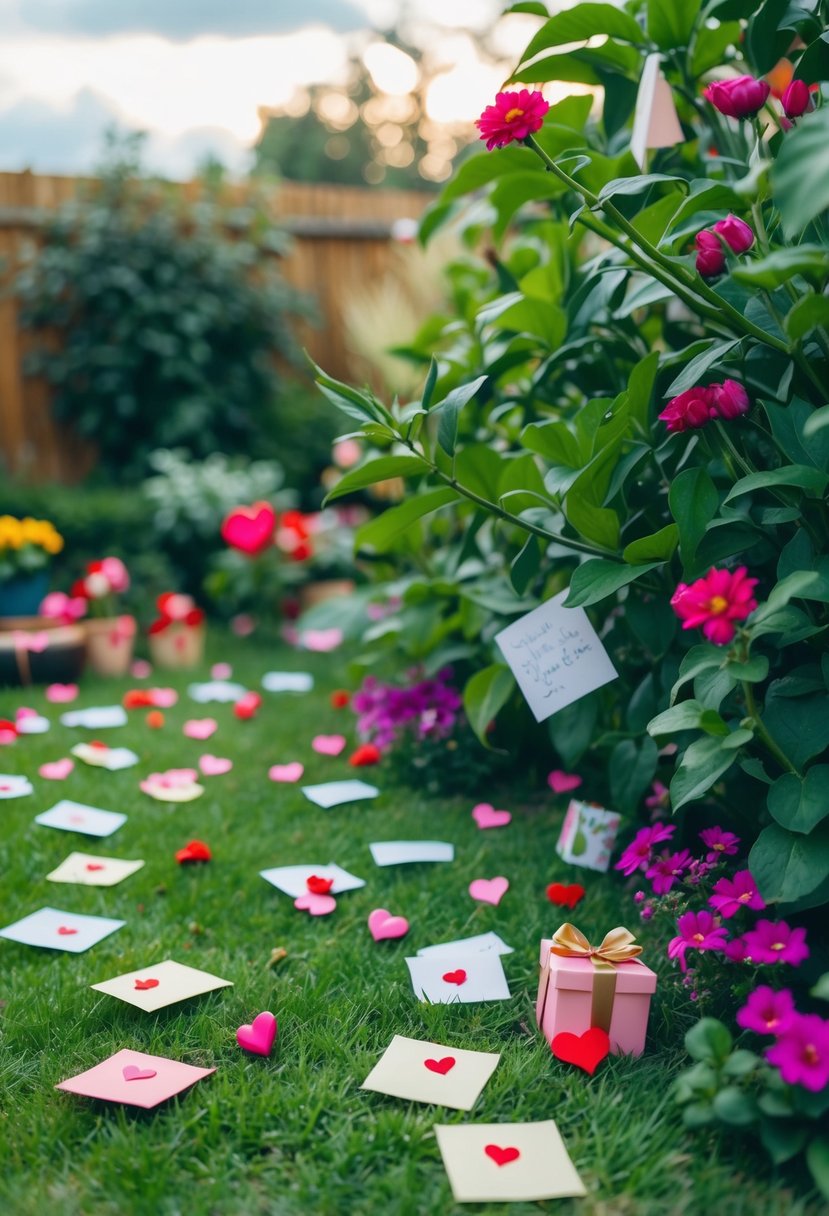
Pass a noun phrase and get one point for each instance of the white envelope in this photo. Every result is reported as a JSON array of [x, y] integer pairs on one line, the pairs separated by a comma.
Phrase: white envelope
[[57, 930], [12, 786], [77, 817], [287, 681], [484, 978], [292, 880], [403, 852], [334, 793], [32, 725], [216, 690], [98, 717], [111, 758], [482, 943]]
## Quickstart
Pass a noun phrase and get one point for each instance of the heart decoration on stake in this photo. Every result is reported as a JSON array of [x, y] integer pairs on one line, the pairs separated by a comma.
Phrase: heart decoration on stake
[[316, 905], [145, 985], [383, 926], [286, 772], [133, 1073], [250, 529], [586, 1050], [486, 816], [258, 1035], [489, 890], [502, 1156], [562, 783], [455, 977], [441, 1066], [565, 896]]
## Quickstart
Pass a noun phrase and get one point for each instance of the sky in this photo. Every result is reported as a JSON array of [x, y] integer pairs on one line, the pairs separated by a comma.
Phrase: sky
[[193, 73]]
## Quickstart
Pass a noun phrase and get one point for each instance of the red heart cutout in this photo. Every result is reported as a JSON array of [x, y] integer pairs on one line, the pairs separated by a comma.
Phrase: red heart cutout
[[455, 977], [250, 529], [502, 1156], [366, 753], [94, 865], [442, 1066], [319, 886], [565, 896], [143, 985], [65, 931], [196, 850], [584, 1050]]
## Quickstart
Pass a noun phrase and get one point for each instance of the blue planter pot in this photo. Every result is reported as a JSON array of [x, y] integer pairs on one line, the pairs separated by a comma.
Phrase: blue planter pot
[[23, 596]]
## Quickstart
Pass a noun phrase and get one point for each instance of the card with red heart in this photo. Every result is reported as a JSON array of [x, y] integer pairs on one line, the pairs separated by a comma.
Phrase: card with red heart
[[293, 880], [443, 979], [92, 871], [71, 816], [135, 1079], [420, 1071], [59, 930], [509, 1162], [161, 984]]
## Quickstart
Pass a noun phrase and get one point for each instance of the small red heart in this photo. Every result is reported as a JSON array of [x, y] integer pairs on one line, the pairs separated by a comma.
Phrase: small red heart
[[455, 977], [195, 850], [366, 754], [65, 931], [98, 743], [502, 1156], [319, 886], [442, 1066], [565, 896], [584, 1050], [94, 865], [143, 985]]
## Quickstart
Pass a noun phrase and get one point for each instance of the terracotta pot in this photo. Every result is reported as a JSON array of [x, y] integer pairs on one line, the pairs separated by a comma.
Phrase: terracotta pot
[[178, 646], [34, 650], [327, 589], [109, 644]]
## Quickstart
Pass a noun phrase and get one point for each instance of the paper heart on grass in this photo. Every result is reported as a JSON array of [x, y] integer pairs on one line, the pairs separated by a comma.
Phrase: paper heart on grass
[[250, 529], [93, 866], [441, 1066], [565, 896], [193, 851], [316, 905], [454, 977], [60, 694], [221, 671], [562, 783], [66, 931], [145, 985], [214, 766], [586, 1050], [57, 770], [328, 745], [489, 890], [317, 885], [200, 728], [133, 1073], [486, 816], [321, 640], [366, 754], [258, 1035], [286, 772], [383, 926], [247, 706], [34, 642], [502, 1156]]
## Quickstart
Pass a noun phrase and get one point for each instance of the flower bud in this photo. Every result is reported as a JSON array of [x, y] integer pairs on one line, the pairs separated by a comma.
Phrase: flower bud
[[710, 254], [737, 234], [689, 411], [729, 400], [797, 99], [740, 98]]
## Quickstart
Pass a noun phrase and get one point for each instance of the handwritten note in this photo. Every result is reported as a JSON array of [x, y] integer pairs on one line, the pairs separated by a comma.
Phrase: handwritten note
[[556, 656]]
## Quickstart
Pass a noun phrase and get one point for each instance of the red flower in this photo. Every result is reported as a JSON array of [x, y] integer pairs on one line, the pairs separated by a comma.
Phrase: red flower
[[715, 602], [737, 234], [365, 755], [690, 410], [513, 117], [729, 399], [710, 254], [740, 98], [340, 698], [797, 99]]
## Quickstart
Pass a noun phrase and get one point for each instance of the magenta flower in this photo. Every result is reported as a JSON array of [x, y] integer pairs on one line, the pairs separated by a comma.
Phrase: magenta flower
[[697, 931], [797, 99], [667, 870], [691, 409], [710, 254], [659, 797], [715, 602], [729, 400], [767, 1011], [736, 950], [737, 234], [719, 843], [801, 1053], [732, 894], [776, 942], [513, 117], [637, 855], [740, 98]]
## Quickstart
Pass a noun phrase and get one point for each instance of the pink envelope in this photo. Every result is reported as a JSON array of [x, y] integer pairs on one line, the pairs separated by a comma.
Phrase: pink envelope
[[107, 1081]]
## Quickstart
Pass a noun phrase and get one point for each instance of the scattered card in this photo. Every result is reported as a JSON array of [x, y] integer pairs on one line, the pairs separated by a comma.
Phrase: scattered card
[[588, 835], [420, 1071], [98, 717], [72, 816], [161, 984], [174, 785], [482, 943], [216, 690], [293, 880], [509, 1162], [405, 852], [556, 656], [445, 979], [110, 758], [14, 787], [57, 930], [135, 1079], [287, 681], [335, 793], [93, 871], [32, 724]]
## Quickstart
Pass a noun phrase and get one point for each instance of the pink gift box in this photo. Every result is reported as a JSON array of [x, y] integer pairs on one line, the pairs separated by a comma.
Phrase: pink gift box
[[565, 999]]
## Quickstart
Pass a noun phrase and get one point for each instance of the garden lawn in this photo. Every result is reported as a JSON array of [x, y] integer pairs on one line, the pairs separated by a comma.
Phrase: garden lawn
[[294, 1134]]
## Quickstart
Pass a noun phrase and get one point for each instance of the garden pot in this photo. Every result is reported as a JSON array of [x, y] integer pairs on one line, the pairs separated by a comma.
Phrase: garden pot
[[178, 646], [37, 651], [109, 644], [326, 589], [22, 596]]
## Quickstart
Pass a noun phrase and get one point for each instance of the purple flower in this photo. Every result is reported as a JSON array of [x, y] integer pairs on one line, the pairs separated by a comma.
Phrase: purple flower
[[736, 950], [732, 894], [423, 708], [697, 931], [667, 870], [767, 1011], [776, 942], [638, 853], [801, 1053], [719, 842]]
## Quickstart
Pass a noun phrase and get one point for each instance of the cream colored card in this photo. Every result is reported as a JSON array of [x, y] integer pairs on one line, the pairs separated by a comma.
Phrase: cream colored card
[[161, 984], [94, 871], [431, 1072], [655, 121], [509, 1162], [111, 758]]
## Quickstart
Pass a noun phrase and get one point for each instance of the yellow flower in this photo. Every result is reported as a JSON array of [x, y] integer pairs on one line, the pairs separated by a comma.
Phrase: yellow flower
[[11, 535]]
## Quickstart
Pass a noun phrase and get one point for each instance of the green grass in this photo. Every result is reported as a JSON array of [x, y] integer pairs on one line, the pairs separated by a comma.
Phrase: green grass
[[294, 1135]]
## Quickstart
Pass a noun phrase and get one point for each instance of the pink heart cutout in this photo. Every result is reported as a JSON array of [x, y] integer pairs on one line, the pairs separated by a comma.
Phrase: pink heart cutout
[[382, 925], [221, 671], [214, 766], [200, 728], [321, 640], [486, 816], [562, 783], [258, 1036], [34, 642], [489, 890], [164, 698], [57, 770], [60, 693], [133, 1073], [250, 529], [316, 905], [286, 772], [328, 745]]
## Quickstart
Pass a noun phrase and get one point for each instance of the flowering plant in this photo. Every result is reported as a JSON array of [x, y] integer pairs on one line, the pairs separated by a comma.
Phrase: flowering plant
[[26, 546], [176, 609], [103, 582]]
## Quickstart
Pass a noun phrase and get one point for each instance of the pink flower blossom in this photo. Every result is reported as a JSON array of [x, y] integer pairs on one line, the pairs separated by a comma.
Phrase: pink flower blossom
[[729, 400], [667, 870], [659, 797], [61, 607], [715, 602], [114, 570], [740, 98], [697, 931], [801, 1053], [513, 117], [732, 894], [720, 843], [690, 410], [797, 99], [736, 950], [737, 234], [767, 1011], [776, 942], [637, 855], [710, 254]]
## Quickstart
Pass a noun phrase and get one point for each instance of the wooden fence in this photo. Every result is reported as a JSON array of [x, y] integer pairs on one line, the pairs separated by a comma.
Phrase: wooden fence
[[341, 242]]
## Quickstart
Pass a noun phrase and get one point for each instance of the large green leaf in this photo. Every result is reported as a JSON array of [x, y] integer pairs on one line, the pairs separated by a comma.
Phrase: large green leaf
[[799, 725], [781, 265], [671, 22], [485, 693], [598, 578], [658, 545], [449, 409], [694, 371], [800, 805], [377, 470], [484, 167], [787, 866], [799, 475], [703, 763], [693, 500], [597, 524], [583, 22], [632, 766], [800, 174], [382, 532]]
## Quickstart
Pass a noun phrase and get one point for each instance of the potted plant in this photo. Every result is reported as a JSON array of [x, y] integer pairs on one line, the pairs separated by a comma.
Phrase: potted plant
[[110, 636], [177, 635], [27, 547]]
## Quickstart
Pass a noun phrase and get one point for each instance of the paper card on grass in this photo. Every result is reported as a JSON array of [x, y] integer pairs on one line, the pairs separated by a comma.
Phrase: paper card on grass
[[588, 835], [32, 724], [14, 787], [216, 690], [287, 681], [482, 943], [335, 793], [93, 871], [507, 1162], [135, 1079], [110, 758], [160, 984], [420, 1071], [405, 852], [78, 817], [293, 880], [97, 717], [57, 930], [445, 979], [556, 656]]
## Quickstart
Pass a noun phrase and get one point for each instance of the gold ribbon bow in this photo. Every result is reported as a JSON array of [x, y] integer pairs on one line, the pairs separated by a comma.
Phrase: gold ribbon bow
[[617, 946]]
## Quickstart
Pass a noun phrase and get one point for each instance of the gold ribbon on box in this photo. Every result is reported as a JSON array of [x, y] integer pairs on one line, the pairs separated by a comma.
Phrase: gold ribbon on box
[[617, 946]]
